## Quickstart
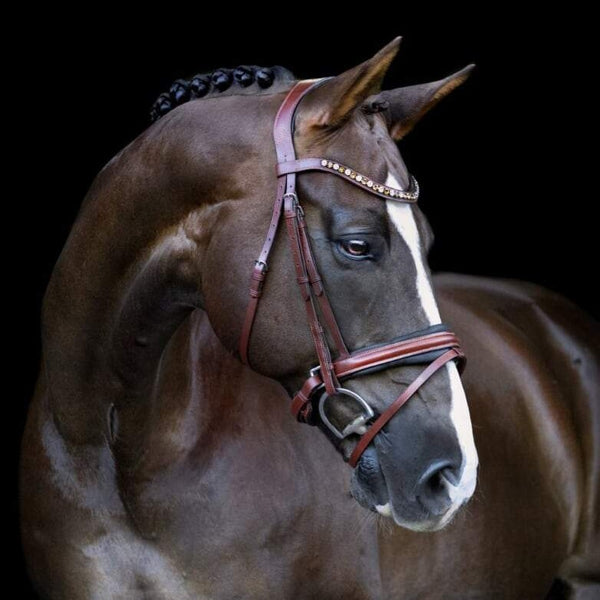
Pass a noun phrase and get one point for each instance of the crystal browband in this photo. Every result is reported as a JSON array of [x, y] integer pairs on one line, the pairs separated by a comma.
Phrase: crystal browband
[[331, 166]]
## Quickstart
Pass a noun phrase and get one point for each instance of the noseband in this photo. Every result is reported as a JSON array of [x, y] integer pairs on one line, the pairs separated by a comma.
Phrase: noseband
[[434, 346]]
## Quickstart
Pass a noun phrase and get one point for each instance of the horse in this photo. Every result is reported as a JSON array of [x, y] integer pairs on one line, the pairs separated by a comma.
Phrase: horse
[[160, 459]]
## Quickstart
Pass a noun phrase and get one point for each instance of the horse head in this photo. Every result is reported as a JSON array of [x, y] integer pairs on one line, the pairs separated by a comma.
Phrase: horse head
[[371, 255]]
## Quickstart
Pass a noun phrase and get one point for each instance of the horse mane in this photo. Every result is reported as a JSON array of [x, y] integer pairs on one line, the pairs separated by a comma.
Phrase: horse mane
[[242, 80]]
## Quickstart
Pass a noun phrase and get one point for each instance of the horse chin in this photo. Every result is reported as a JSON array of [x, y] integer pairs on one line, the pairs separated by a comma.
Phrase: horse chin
[[370, 489], [386, 510], [428, 524]]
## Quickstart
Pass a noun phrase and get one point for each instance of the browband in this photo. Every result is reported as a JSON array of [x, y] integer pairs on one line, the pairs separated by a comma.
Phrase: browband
[[350, 175]]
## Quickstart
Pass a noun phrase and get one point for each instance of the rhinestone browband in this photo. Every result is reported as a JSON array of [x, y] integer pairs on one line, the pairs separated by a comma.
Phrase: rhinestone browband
[[377, 187], [331, 166]]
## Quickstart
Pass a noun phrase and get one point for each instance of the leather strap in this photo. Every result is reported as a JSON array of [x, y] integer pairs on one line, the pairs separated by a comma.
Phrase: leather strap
[[319, 291], [382, 355], [259, 273], [292, 214], [284, 148], [283, 128], [381, 421], [373, 358]]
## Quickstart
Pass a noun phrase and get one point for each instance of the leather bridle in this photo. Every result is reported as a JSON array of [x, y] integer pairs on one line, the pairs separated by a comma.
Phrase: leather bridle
[[435, 345]]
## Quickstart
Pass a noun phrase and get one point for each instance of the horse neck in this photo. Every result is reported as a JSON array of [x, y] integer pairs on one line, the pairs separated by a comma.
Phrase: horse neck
[[131, 271]]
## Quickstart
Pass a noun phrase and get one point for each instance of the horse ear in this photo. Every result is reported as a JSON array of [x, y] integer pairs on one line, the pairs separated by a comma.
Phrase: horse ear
[[406, 105], [332, 102]]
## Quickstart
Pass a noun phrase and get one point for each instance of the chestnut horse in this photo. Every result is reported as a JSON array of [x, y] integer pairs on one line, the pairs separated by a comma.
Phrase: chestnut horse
[[156, 465]]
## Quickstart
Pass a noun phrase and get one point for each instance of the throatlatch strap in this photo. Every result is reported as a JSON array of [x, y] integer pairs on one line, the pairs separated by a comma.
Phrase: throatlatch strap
[[259, 273], [284, 147]]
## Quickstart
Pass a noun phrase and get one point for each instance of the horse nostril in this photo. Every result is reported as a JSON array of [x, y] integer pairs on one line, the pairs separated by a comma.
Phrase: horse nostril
[[432, 472], [452, 474], [432, 488]]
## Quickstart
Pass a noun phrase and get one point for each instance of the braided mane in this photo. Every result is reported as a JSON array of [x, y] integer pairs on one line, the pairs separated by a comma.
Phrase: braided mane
[[242, 80]]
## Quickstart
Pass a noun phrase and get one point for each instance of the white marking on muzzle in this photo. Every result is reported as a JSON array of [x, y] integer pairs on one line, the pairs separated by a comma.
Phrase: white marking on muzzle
[[461, 418], [402, 216]]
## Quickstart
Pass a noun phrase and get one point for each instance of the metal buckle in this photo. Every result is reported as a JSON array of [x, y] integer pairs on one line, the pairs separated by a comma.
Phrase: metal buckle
[[262, 264], [294, 197], [355, 425]]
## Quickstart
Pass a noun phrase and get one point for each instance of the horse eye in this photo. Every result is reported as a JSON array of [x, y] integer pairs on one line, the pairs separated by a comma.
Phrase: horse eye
[[355, 248]]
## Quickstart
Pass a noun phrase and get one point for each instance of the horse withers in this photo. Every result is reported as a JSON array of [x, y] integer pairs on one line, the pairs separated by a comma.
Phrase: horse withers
[[156, 465]]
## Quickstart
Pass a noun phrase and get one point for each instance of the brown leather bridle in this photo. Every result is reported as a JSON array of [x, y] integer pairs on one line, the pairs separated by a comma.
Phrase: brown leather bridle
[[435, 345]]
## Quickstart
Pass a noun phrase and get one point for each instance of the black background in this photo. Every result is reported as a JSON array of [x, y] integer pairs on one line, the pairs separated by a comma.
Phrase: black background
[[500, 161]]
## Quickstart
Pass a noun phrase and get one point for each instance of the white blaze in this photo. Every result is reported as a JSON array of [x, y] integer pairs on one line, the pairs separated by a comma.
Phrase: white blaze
[[402, 216]]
